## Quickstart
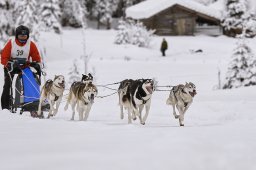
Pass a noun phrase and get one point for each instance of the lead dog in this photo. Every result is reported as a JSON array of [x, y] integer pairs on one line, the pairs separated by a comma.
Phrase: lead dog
[[134, 95], [81, 96], [181, 97], [53, 92]]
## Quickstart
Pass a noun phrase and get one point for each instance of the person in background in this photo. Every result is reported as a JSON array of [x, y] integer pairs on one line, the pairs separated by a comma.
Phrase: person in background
[[20, 47], [164, 46]]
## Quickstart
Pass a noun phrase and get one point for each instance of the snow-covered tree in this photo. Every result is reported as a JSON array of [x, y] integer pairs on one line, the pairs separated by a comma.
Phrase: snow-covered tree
[[237, 18], [6, 20], [250, 25], [141, 36], [90, 6], [50, 16], [242, 68], [104, 10], [27, 14], [74, 74], [71, 18], [123, 4], [133, 33], [122, 36]]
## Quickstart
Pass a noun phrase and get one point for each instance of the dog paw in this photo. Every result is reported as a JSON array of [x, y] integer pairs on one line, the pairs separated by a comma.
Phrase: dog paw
[[41, 116], [181, 124], [143, 123], [176, 116]]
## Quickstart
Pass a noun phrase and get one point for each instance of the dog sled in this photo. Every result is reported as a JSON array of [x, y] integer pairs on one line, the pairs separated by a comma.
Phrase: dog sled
[[25, 91]]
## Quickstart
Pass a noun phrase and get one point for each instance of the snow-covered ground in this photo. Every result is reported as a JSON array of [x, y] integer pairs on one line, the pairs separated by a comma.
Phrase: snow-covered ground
[[219, 130]]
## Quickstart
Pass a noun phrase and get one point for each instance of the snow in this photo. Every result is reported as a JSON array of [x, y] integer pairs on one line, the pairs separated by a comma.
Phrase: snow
[[221, 5], [152, 7], [219, 130]]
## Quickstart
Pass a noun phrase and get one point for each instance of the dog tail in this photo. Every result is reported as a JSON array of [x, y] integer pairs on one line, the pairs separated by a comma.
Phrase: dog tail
[[68, 101], [169, 101]]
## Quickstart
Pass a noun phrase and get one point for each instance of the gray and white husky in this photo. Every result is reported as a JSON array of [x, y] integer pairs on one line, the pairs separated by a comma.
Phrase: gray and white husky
[[53, 92], [181, 97], [133, 96], [81, 97]]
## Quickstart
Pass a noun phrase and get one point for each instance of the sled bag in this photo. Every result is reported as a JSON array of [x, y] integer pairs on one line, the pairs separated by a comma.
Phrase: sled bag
[[30, 86]]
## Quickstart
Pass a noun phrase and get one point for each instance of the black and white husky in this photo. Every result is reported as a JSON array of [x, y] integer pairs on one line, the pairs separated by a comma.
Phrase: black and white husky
[[87, 78], [181, 97], [81, 97], [53, 92], [133, 96]]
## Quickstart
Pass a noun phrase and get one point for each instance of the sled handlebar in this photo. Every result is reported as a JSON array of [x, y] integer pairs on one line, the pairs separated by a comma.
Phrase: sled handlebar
[[20, 63]]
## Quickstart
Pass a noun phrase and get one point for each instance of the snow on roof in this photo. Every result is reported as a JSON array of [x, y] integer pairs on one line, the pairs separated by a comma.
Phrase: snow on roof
[[148, 8]]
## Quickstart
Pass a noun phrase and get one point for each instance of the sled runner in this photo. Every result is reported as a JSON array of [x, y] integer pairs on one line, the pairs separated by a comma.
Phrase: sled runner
[[25, 93]]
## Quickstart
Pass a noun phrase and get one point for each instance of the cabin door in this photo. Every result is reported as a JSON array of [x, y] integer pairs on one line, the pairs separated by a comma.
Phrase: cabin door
[[181, 26], [185, 26]]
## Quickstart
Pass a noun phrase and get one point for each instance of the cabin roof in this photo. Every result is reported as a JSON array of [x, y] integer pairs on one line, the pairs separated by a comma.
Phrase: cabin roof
[[149, 8]]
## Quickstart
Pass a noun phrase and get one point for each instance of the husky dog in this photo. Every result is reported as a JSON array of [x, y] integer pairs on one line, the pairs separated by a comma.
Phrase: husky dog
[[181, 97], [53, 92], [122, 94], [87, 78], [81, 96], [134, 95]]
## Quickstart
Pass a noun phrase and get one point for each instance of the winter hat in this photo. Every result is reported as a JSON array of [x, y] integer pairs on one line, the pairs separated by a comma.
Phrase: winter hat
[[21, 30]]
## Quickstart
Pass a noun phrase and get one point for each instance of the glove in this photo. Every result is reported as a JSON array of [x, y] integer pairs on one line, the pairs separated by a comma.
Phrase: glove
[[36, 66]]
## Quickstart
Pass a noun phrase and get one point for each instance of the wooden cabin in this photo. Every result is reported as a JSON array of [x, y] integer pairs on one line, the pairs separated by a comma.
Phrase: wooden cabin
[[179, 18]]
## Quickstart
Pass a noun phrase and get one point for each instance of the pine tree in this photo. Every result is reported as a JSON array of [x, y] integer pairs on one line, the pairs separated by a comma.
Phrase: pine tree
[[90, 6], [122, 36], [242, 68], [104, 10], [122, 5], [135, 33], [74, 74], [27, 15], [237, 18], [71, 18], [50, 15], [141, 36], [6, 20]]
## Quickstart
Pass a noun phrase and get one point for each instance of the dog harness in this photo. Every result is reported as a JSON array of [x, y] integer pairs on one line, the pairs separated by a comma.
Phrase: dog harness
[[56, 97], [143, 101], [174, 92]]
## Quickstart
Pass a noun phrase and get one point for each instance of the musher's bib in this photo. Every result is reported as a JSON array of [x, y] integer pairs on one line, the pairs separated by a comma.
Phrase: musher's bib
[[20, 51]]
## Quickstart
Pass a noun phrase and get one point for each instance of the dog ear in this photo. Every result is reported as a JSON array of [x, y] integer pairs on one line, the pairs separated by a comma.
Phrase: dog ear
[[55, 77], [90, 75]]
